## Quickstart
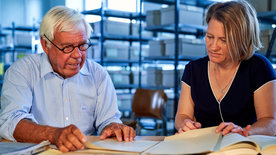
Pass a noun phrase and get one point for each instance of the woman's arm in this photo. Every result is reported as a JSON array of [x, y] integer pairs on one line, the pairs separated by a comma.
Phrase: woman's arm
[[185, 111], [265, 106]]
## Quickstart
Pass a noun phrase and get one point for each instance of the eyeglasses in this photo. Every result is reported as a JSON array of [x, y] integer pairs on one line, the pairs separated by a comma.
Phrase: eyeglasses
[[70, 48]]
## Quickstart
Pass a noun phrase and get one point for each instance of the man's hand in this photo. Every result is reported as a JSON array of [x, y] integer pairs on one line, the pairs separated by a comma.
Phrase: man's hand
[[69, 138], [121, 131]]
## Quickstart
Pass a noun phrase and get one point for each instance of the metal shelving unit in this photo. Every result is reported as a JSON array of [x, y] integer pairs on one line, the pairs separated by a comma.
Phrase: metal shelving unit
[[177, 30], [269, 17], [102, 37], [13, 47]]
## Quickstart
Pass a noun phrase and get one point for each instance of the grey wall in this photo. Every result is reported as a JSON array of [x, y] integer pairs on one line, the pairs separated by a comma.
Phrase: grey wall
[[25, 12]]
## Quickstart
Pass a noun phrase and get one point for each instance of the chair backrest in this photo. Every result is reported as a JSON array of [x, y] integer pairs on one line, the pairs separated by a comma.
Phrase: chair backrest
[[149, 103]]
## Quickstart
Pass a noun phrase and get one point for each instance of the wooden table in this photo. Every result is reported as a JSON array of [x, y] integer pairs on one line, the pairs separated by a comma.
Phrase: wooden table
[[97, 138], [4, 140]]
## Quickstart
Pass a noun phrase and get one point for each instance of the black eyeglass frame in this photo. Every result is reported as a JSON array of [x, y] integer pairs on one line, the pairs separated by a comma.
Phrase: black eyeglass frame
[[62, 50]]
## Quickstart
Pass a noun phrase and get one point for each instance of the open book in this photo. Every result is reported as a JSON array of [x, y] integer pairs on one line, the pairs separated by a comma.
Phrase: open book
[[15, 148], [111, 144], [197, 141], [207, 141]]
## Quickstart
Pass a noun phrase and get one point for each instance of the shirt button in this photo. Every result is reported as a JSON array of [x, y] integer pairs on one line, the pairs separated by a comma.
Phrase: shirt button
[[67, 118]]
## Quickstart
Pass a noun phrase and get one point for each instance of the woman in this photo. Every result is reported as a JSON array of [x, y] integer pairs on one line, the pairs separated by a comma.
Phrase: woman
[[232, 88]]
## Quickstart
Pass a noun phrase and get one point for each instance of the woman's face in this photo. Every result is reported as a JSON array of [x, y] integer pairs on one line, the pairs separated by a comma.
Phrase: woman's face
[[216, 42]]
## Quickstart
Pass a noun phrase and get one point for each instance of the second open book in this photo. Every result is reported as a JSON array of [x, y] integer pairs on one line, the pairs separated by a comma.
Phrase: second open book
[[192, 142]]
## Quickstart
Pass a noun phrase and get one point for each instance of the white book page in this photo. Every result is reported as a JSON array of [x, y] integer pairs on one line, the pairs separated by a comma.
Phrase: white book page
[[240, 151], [263, 141], [113, 144], [203, 133], [235, 140], [190, 142]]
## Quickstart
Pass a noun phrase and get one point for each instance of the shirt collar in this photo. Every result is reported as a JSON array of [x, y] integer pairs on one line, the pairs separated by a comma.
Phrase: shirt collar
[[84, 69], [46, 67]]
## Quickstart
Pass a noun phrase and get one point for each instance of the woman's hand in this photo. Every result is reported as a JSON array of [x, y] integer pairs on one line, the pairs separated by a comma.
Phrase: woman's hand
[[229, 127], [189, 125]]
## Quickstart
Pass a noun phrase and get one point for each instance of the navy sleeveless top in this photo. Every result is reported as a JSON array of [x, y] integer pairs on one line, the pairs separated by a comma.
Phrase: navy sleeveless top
[[237, 106]]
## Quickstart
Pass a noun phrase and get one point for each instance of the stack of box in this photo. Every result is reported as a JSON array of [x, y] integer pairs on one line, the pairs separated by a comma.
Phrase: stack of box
[[170, 106], [135, 31], [134, 51], [153, 18], [154, 76], [265, 39], [136, 78], [187, 15], [6, 41], [260, 6], [168, 78], [111, 27], [156, 48], [187, 47], [116, 51], [124, 102], [119, 28], [23, 39], [113, 50], [120, 77]]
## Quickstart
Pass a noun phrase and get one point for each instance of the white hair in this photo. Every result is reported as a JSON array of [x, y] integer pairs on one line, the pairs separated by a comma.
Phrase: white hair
[[61, 18]]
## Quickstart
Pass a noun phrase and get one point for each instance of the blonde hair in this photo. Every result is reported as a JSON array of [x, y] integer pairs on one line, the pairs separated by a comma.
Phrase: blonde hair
[[61, 18], [241, 27]]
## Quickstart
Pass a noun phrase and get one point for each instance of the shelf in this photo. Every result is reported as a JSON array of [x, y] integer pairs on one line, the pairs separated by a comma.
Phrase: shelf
[[156, 87], [125, 86], [116, 62], [146, 60], [114, 13], [3, 34], [199, 3], [22, 28], [183, 29], [22, 47], [143, 86], [268, 17], [159, 58], [5, 47], [177, 61], [17, 48], [120, 37], [171, 58]]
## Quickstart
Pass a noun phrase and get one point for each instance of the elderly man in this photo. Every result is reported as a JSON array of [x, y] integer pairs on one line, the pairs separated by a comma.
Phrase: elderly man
[[59, 95]]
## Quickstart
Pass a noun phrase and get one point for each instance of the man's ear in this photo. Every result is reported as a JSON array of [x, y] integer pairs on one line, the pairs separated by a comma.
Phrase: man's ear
[[44, 45]]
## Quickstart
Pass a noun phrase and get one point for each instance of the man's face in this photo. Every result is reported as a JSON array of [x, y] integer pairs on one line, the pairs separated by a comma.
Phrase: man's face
[[67, 64]]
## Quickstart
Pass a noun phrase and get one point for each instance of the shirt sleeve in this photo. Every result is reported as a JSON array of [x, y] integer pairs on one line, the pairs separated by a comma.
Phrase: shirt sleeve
[[262, 72], [16, 101], [107, 109], [187, 74]]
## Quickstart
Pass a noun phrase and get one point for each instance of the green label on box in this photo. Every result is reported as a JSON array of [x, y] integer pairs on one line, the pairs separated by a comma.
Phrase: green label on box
[[1, 68]]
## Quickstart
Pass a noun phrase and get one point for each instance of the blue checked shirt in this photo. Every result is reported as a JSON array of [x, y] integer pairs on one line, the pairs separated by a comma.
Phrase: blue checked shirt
[[32, 90]]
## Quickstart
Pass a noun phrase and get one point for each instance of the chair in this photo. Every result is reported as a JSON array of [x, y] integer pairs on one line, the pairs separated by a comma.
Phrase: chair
[[148, 103]]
